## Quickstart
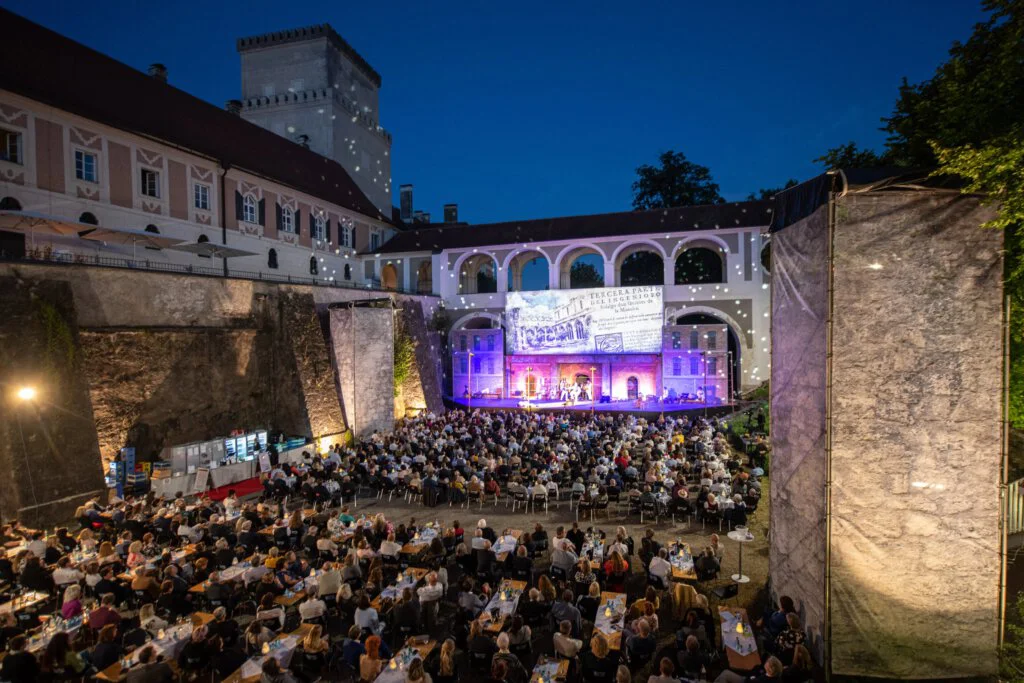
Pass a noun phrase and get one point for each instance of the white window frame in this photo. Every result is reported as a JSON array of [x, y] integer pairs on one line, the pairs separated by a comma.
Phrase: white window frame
[[374, 240], [346, 235], [19, 146], [83, 153], [287, 220], [250, 209], [143, 170], [320, 226], [201, 191]]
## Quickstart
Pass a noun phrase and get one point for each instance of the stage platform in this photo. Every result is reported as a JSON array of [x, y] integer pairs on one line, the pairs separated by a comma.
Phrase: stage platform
[[647, 409]]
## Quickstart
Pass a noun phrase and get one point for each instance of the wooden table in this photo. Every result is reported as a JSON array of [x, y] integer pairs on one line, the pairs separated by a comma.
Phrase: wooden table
[[236, 676], [614, 637], [112, 673], [23, 602], [493, 626], [417, 573], [543, 666], [737, 661]]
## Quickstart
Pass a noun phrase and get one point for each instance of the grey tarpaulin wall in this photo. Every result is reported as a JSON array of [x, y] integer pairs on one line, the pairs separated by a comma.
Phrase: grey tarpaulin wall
[[887, 381]]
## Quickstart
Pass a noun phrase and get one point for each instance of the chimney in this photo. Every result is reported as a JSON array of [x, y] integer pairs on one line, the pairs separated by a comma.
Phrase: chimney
[[303, 140], [158, 71], [405, 202], [233, 107], [451, 213]]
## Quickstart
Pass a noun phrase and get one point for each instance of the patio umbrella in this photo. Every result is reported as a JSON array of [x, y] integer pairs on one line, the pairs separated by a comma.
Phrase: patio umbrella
[[132, 237], [31, 222], [211, 249]]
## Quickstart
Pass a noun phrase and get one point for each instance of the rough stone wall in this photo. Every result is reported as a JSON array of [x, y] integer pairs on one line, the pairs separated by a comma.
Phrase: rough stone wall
[[366, 374], [916, 438], [155, 388], [798, 466], [313, 362], [422, 388], [48, 450]]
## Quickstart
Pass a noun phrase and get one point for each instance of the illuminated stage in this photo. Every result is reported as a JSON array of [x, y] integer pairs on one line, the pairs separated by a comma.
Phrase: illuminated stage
[[646, 408]]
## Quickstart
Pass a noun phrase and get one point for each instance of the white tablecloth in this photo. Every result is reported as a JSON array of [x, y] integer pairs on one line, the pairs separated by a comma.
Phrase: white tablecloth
[[610, 623], [281, 650]]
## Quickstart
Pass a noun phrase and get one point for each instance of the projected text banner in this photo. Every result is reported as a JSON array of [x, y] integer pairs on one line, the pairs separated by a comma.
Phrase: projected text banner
[[612, 320]]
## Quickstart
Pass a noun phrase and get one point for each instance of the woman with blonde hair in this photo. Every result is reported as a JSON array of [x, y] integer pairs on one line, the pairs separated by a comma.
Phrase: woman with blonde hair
[[86, 540], [106, 553], [447, 672], [416, 673], [72, 604], [314, 643], [547, 589]]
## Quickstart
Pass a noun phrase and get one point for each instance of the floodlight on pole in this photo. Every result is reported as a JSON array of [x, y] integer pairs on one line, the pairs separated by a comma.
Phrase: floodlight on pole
[[27, 393]]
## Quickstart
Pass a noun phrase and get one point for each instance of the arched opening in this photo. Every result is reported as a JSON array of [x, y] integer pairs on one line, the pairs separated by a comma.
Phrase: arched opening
[[272, 259], [581, 268], [389, 277], [640, 265], [152, 228], [699, 265], [632, 388], [348, 272], [731, 347], [528, 272], [10, 204], [88, 219], [478, 275], [425, 278], [314, 267], [203, 239]]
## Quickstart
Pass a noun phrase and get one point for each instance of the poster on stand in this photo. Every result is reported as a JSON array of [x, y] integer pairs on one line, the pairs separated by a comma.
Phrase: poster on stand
[[264, 461], [202, 478]]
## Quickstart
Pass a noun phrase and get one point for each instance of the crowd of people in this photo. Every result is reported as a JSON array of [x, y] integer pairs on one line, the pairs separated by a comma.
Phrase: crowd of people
[[355, 592]]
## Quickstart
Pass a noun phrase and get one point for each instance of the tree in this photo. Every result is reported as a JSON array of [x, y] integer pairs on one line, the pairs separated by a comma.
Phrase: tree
[[642, 268], [849, 156], [676, 182], [584, 275], [768, 193]]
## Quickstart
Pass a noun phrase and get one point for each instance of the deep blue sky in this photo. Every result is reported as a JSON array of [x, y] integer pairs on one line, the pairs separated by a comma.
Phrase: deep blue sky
[[530, 109]]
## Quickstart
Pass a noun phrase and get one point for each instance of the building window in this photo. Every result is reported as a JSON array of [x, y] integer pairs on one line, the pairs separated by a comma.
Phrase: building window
[[10, 204], [272, 259], [203, 239], [712, 341], [694, 339], [677, 342], [85, 166], [249, 209], [287, 219], [476, 364], [490, 366], [10, 147], [374, 240], [88, 219], [268, 90], [694, 365], [476, 342], [462, 342], [490, 342], [201, 196], [463, 365], [150, 183], [677, 366], [348, 272], [152, 228], [319, 227], [314, 269], [346, 235], [712, 366]]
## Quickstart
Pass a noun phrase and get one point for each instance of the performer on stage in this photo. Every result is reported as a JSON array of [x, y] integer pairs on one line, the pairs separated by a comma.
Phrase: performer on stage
[[574, 392], [563, 390]]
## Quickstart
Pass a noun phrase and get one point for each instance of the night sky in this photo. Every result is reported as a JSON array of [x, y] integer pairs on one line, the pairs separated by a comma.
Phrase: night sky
[[525, 110]]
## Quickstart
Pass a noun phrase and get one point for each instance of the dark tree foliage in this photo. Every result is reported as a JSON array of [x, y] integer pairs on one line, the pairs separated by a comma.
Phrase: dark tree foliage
[[642, 268], [768, 193], [584, 276], [674, 182]]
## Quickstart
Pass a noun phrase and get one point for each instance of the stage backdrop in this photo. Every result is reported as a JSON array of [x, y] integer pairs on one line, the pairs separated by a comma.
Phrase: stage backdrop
[[607, 320]]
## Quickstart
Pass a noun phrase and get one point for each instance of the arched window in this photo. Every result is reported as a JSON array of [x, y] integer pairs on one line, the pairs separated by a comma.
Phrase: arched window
[[88, 219], [348, 272], [699, 265], [272, 259], [152, 228], [10, 204], [249, 209], [314, 269]]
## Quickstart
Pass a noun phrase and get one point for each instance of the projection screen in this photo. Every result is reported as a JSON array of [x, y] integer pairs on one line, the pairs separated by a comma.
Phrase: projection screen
[[609, 320]]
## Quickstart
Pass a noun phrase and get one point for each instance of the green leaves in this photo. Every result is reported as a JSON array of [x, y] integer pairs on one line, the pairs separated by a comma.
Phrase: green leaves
[[676, 182]]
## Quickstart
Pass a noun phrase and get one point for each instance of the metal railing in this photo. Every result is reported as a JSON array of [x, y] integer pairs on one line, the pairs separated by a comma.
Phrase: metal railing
[[1014, 508], [95, 260]]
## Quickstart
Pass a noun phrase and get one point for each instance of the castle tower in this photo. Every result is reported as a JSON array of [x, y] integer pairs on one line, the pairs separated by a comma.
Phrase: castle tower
[[312, 87]]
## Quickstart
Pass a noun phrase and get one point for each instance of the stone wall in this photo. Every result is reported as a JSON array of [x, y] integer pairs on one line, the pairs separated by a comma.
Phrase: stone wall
[[917, 360], [48, 448], [422, 388], [362, 341]]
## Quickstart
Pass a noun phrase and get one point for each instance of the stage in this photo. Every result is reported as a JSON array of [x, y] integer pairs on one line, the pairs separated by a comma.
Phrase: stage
[[646, 408]]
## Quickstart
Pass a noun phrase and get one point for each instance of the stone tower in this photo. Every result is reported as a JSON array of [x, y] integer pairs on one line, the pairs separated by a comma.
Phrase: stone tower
[[311, 86]]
